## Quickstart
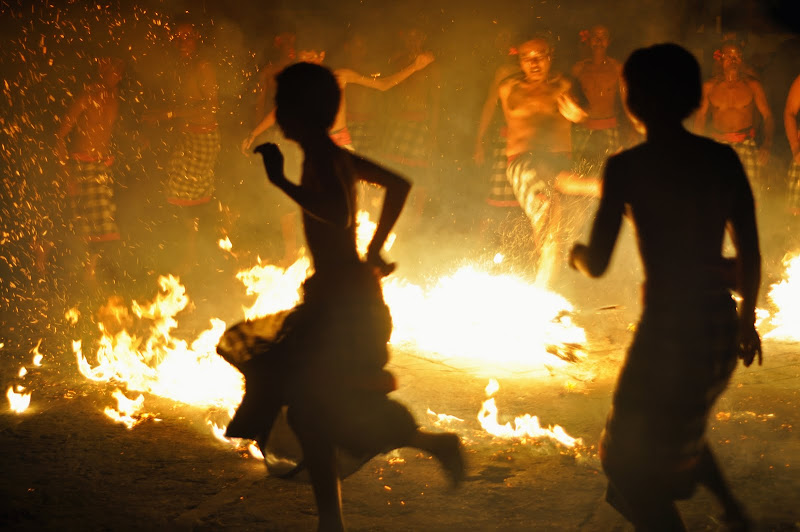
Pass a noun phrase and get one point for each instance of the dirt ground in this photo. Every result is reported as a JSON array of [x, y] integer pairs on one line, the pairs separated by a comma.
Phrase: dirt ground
[[66, 466]]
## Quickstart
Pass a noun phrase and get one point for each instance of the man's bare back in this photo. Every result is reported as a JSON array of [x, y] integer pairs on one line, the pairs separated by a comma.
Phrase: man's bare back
[[699, 193]]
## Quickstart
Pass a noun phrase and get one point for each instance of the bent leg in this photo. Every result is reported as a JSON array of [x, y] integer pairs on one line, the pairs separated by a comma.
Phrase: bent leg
[[710, 475], [319, 456], [446, 447]]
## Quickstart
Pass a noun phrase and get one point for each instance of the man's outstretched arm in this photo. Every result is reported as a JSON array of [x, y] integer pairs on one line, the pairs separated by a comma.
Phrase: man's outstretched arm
[[397, 190]]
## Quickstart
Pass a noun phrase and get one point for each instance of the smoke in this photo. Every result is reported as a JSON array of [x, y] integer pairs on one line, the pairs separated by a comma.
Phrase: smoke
[[48, 57]]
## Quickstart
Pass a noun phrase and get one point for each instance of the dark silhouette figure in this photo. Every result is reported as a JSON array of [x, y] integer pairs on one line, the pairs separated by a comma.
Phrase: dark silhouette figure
[[327, 360], [681, 191]]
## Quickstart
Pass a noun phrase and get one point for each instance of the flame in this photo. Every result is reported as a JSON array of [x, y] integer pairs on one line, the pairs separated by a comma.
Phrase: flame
[[37, 356], [18, 402], [365, 228], [72, 316], [127, 410], [498, 320], [524, 427], [276, 288], [785, 296], [160, 364]]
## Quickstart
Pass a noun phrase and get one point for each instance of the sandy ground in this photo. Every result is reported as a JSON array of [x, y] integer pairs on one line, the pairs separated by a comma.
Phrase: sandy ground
[[66, 466]]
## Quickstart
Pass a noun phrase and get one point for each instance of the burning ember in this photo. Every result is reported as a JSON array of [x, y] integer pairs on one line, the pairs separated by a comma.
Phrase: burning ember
[[18, 402]]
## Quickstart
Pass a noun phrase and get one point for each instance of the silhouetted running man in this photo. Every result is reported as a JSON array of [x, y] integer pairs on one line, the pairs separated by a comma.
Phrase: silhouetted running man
[[653, 449], [327, 361]]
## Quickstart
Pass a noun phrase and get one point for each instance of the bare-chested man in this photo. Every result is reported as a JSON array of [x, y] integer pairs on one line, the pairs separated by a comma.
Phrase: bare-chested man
[[793, 136], [191, 168], [89, 124], [339, 132], [539, 113], [412, 119], [732, 99], [278, 55], [682, 193], [597, 137], [328, 361]]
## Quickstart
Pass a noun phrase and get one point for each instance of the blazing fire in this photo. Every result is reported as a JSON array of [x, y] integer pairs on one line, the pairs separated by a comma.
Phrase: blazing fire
[[491, 322], [785, 296], [158, 363], [481, 322]]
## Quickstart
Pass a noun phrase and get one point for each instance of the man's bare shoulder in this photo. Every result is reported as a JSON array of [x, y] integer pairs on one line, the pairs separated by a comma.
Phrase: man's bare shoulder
[[560, 83], [578, 68], [712, 82], [753, 83], [508, 83]]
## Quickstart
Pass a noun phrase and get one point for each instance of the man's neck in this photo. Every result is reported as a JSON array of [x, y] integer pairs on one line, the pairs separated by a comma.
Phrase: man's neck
[[731, 75], [599, 58], [666, 131], [315, 141]]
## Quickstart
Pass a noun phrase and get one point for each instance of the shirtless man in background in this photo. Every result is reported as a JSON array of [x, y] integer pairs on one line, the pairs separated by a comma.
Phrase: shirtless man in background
[[732, 99], [539, 113], [89, 124], [597, 137], [190, 172], [793, 136], [344, 76]]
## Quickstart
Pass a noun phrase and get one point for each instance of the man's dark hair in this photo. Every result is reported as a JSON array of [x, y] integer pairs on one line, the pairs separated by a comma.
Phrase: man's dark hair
[[663, 83], [308, 92]]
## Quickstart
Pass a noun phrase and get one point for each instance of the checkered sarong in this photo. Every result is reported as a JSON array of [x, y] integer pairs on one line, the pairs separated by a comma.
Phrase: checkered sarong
[[681, 360], [532, 176], [794, 188], [191, 169], [747, 150], [408, 142], [93, 206], [363, 135], [591, 148], [501, 193]]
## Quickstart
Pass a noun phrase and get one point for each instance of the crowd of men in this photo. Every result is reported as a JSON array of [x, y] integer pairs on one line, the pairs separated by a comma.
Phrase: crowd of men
[[540, 155]]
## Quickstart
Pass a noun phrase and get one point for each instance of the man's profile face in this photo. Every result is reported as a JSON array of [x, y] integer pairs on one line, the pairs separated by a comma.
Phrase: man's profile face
[[599, 38], [186, 39], [534, 60], [731, 58], [311, 56]]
